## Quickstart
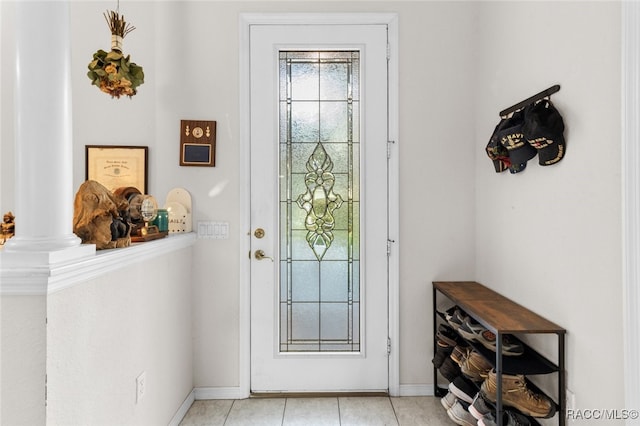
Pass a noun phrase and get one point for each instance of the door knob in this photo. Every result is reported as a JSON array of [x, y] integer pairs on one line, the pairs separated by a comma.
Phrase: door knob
[[259, 255], [259, 233]]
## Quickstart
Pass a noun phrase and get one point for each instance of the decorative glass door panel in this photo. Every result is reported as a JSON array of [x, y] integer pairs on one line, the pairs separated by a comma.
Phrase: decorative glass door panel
[[319, 201]]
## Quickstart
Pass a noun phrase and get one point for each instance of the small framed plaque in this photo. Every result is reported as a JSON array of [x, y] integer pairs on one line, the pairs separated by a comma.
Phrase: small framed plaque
[[197, 143]]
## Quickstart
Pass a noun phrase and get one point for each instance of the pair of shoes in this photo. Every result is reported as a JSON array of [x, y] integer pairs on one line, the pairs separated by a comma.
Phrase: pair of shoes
[[475, 367], [443, 352], [509, 418], [510, 345], [449, 369], [448, 335], [515, 393], [459, 414], [464, 389], [480, 406], [469, 329], [473, 331], [446, 340], [455, 317]]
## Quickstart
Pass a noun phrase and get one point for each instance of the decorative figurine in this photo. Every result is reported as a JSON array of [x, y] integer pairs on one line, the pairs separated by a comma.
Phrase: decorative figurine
[[100, 217], [8, 226]]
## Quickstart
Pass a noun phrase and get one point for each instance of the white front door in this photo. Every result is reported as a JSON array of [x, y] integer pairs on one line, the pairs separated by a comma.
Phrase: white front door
[[319, 208]]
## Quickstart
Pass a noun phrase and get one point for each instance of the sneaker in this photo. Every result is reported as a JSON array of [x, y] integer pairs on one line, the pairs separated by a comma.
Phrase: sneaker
[[459, 414], [518, 419], [473, 331], [475, 366], [516, 394], [447, 335], [449, 369], [448, 400], [480, 406], [469, 329], [463, 388], [510, 346], [455, 317], [509, 418]]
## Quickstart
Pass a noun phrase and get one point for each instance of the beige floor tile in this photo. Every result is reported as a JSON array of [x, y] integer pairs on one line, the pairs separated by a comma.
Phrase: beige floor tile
[[343, 411], [312, 412], [420, 410], [207, 413], [257, 412], [367, 411]]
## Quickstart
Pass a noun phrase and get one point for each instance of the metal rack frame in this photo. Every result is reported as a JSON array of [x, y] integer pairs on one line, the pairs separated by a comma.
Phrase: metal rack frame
[[487, 307]]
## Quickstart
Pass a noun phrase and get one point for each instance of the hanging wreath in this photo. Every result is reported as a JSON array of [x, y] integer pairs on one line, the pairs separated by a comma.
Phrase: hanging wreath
[[113, 72]]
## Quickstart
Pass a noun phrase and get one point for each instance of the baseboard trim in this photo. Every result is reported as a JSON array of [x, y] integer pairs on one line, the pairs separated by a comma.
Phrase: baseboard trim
[[220, 393], [238, 393], [182, 411], [416, 390], [363, 394]]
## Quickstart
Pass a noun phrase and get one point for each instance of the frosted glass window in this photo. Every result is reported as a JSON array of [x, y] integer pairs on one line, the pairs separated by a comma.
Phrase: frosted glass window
[[319, 201]]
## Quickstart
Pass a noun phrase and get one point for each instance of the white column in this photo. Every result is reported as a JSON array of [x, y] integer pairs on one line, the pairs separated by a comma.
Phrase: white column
[[43, 179]]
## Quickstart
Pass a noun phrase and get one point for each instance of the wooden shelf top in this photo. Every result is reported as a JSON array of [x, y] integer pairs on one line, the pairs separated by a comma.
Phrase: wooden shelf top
[[494, 311]]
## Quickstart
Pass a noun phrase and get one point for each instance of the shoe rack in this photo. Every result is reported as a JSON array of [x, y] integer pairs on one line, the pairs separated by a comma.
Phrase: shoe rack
[[503, 316]]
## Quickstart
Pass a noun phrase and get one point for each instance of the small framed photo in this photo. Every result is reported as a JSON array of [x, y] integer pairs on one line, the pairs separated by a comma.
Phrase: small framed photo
[[117, 166], [197, 143]]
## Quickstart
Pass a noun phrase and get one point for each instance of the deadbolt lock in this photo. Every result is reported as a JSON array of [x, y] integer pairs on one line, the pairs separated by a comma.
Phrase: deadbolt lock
[[259, 233]]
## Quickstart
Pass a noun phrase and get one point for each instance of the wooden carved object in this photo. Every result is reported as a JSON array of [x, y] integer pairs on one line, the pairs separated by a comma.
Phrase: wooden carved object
[[100, 217]]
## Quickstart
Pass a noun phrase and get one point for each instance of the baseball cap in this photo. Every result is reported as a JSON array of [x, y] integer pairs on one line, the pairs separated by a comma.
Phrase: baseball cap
[[511, 137], [496, 152], [544, 128]]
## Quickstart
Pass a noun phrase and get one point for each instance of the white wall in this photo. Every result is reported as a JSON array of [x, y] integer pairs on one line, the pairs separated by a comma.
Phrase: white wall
[[23, 359], [103, 333], [550, 237], [437, 226]]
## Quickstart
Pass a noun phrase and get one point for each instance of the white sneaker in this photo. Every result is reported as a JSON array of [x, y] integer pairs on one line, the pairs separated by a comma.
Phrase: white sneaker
[[459, 414], [448, 400]]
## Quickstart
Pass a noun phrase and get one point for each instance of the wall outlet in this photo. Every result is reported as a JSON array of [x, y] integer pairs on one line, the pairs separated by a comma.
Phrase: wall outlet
[[141, 386]]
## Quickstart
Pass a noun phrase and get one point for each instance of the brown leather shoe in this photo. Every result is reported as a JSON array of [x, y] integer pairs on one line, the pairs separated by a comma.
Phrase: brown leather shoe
[[475, 366], [460, 353], [515, 393]]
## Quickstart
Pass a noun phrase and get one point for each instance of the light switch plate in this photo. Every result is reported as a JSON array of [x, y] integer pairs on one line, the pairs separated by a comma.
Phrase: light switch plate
[[213, 230]]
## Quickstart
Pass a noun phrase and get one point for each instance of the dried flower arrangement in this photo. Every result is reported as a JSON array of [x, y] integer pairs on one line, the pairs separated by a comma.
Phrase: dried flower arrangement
[[113, 72]]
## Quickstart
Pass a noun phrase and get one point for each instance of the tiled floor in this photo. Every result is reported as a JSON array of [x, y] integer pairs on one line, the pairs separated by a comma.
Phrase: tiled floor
[[353, 411]]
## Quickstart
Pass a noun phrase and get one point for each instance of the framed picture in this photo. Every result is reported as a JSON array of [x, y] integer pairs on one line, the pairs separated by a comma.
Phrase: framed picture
[[197, 143], [117, 166]]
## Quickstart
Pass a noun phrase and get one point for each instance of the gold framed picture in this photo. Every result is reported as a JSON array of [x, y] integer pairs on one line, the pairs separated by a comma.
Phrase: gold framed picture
[[117, 166]]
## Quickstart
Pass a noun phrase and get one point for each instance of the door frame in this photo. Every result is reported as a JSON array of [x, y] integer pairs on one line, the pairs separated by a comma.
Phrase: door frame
[[246, 20], [630, 95]]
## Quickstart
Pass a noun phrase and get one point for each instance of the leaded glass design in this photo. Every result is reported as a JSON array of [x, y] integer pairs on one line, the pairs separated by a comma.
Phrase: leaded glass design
[[319, 201]]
